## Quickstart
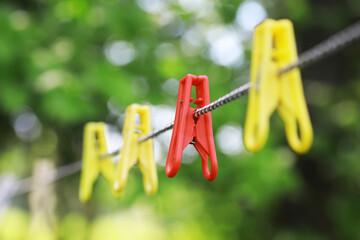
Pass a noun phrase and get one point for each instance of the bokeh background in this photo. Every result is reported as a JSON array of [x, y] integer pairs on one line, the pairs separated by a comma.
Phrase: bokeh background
[[64, 63]]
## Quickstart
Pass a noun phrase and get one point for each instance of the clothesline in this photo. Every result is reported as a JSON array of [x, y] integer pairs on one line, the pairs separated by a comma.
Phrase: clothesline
[[333, 44]]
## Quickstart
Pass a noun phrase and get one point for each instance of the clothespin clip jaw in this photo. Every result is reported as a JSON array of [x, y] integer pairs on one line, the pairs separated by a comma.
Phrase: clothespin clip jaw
[[273, 49], [94, 147], [187, 129], [133, 152]]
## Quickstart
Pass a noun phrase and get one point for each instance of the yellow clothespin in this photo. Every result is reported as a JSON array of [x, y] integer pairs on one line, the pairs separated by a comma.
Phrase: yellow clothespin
[[274, 48], [134, 152], [93, 164]]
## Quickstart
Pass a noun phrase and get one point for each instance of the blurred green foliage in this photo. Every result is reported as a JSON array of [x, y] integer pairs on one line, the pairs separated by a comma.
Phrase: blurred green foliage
[[57, 61]]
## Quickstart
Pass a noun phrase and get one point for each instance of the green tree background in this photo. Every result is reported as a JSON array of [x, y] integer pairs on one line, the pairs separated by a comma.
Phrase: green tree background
[[64, 63]]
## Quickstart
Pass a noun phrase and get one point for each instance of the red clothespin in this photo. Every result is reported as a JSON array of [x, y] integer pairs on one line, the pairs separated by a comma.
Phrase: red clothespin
[[189, 130]]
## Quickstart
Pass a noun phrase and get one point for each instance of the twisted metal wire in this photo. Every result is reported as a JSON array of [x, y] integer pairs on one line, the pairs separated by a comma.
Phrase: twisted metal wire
[[157, 132], [233, 95], [333, 44]]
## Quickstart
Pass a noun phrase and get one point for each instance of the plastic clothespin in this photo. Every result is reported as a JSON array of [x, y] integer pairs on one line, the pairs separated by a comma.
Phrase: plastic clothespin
[[274, 48], [188, 130], [93, 164], [134, 152]]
